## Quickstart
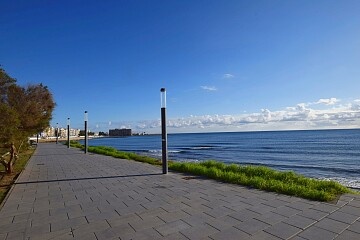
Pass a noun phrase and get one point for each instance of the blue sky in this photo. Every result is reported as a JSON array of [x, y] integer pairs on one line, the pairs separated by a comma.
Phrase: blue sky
[[227, 65]]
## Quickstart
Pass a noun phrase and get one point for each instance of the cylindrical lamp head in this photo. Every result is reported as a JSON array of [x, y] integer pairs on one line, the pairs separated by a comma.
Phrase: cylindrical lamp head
[[68, 121], [86, 116], [163, 97]]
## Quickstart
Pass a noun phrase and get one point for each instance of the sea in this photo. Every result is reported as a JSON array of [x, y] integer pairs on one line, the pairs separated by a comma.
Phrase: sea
[[320, 154]]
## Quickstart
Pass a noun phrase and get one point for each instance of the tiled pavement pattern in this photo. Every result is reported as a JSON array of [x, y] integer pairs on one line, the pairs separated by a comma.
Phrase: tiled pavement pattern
[[65, 194]]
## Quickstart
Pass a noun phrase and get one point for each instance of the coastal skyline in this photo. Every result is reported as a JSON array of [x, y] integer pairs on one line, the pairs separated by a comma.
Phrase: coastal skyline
[[226, 65]]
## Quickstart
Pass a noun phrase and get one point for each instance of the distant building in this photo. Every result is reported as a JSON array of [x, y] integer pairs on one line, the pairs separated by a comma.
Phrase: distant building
[[120, 132]]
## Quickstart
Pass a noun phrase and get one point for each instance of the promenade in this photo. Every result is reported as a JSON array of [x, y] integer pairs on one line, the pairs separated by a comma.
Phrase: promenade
[[66, 194]]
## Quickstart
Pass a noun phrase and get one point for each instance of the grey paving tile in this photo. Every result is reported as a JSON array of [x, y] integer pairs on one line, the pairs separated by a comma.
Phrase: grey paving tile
[[90, 228], [298, 238], [355, 227], [332, 225], [286, 211], [64, 234], [300, 221], [221, 225], [348, 235], [261, 208], [355, 203], [125, 219], [264, 236], [231, 233], [267, 196], [50, 219], [350, 210], [3, 236], [347, 197], [313, 214], [283, 230], [200, 232], [101, 216], [271, 218], [328, 208], [343, 217], [15, 235], [175, 236], [244, 215], [300, 205], [313, 233], [14, 227], [85, 236], [227, 220], [238, 205], [130, 210], [252, 226], [68, 223], [172, 227], [219, 212], [197, 220], [173, 216], [9, 220], [121, 231], [106, 234], [143, 224], [275, 202], [146, 234]]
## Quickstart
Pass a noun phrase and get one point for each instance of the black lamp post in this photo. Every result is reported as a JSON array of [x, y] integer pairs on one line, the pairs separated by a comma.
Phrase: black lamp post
[[163, 131], [68, 132], [86, 132], [57, 133]]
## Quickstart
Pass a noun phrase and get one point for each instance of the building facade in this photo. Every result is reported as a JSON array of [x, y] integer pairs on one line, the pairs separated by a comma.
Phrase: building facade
[[120, 132]]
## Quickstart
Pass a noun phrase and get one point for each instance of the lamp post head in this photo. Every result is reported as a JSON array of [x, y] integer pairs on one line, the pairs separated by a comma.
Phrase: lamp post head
[[68, 121], [163, 97], [86, 115]]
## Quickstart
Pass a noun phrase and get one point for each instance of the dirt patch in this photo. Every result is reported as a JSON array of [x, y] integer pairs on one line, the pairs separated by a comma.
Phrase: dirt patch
[[7, 180]]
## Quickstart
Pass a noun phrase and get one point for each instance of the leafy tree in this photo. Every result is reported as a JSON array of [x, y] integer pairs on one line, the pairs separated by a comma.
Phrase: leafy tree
[[25, 111]]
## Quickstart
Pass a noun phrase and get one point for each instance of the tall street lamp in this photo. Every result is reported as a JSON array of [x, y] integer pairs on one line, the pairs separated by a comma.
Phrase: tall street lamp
[[57, 133], [86, 131], [68, 132], [163, 131]]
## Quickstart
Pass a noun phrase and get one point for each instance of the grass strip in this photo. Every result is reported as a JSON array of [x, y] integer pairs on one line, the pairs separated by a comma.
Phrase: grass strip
[[260, 177], [110, 151]]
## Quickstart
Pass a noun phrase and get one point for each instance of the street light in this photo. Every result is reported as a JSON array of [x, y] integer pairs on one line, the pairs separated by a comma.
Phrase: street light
[[57, 133], [86, 131], [163, 131], [68, 132]]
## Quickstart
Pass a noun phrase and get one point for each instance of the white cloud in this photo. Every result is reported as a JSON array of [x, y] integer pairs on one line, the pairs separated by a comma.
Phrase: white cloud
[[328, 101], [228, 76], [301, 116], [209, 88]]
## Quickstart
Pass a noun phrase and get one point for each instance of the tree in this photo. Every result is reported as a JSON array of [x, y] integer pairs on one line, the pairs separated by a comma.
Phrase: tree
[[25, 111]]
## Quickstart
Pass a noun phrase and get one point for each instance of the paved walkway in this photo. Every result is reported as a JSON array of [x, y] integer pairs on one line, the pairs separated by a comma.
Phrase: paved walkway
[[65, 194]]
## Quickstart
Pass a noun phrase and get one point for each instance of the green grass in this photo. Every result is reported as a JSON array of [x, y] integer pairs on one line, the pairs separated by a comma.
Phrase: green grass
[[109, 151], [265, 178], [259, 177]]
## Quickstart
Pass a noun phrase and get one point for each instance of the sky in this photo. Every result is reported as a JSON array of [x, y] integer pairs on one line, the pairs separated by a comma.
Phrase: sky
[[229, 65]]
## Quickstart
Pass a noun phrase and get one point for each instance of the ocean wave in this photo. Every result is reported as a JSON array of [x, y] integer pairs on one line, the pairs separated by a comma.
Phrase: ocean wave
[[201, 148], [204, 147], [294, 166], [158, 151], [348, 182]]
